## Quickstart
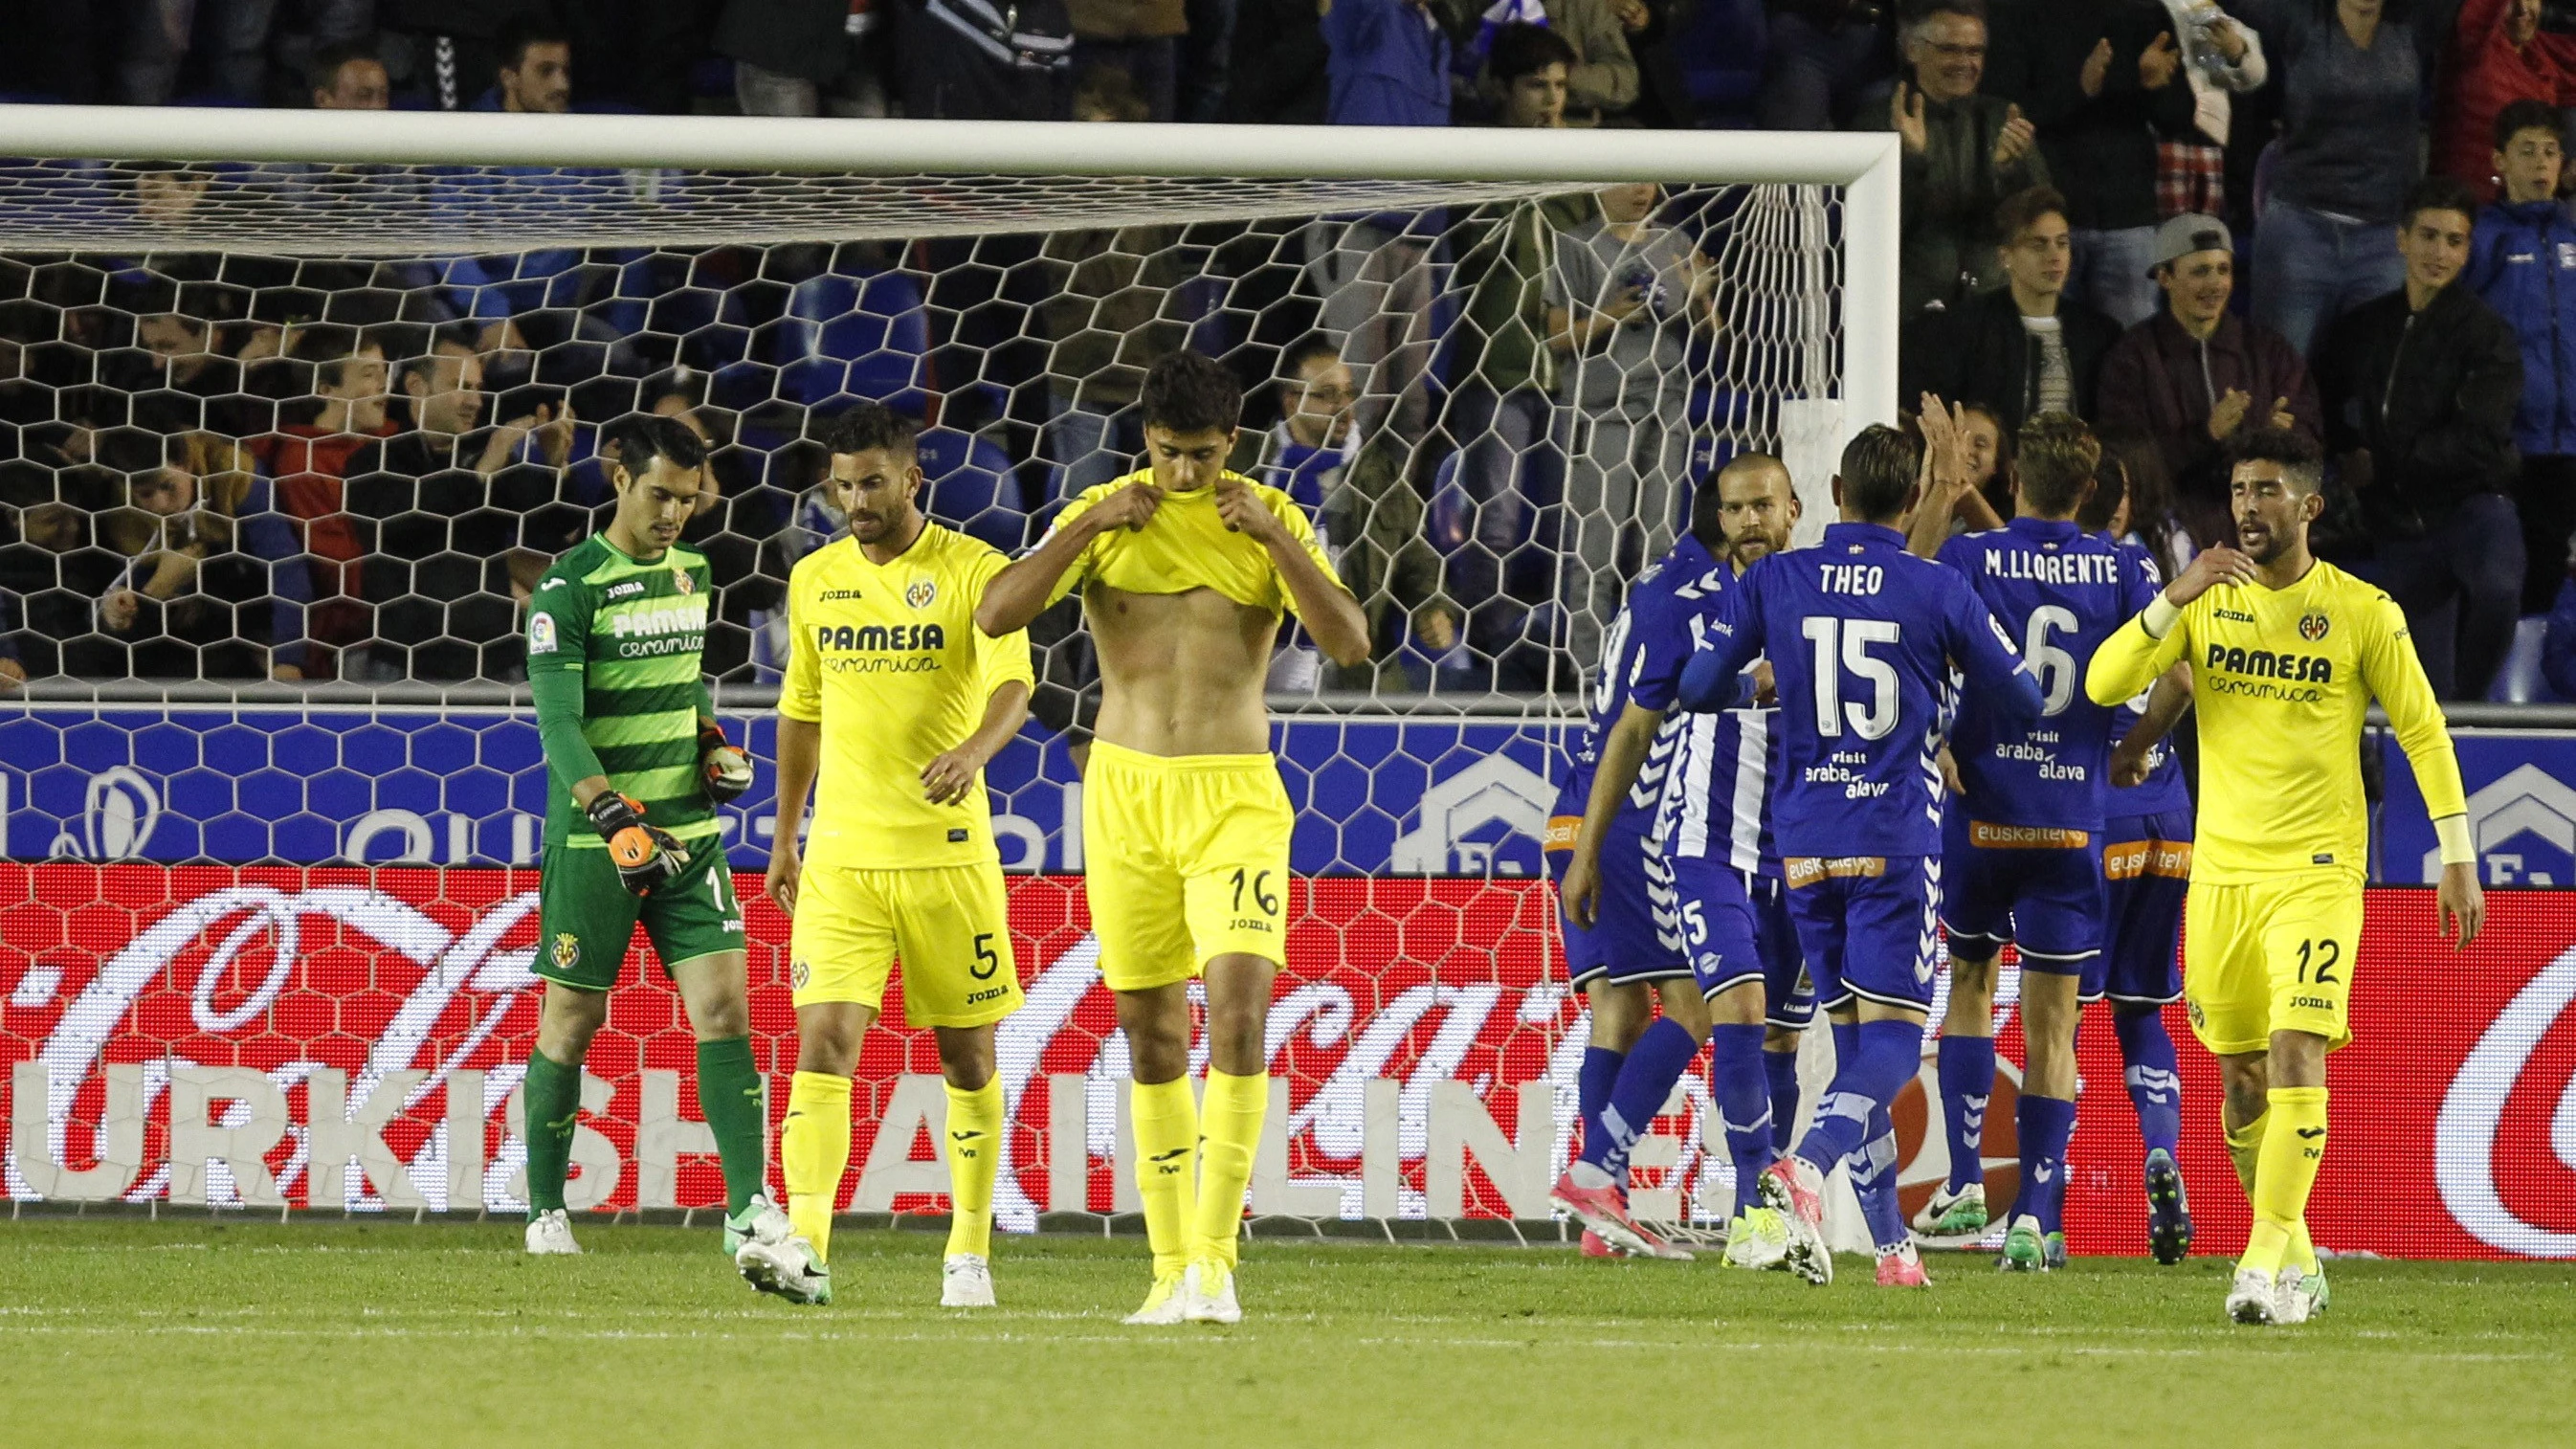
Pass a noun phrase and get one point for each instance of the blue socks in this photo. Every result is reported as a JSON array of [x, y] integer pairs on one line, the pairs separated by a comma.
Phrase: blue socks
[[1873, 1175], [1743, 1101], [1645, 1082], [1967, 1067], [1780, 1070], [1866, 1079], [2043, 1124], [2155, 1086], [1592, 1083]]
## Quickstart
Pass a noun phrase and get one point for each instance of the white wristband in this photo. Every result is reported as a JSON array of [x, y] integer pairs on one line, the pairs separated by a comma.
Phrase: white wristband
[[2159, 617], [2453, 833]]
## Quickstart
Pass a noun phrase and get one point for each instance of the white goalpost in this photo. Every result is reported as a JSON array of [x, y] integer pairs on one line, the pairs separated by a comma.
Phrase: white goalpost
[[314, 756]]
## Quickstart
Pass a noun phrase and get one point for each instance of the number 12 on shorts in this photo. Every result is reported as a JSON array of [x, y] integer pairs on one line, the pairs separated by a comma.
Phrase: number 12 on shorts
[[2320, 958]]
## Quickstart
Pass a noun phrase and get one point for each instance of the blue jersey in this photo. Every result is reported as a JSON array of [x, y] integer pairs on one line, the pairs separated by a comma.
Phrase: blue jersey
[[2163, 791], [2060, 591], [1861, 636], [1656, 620], [1716, 803]]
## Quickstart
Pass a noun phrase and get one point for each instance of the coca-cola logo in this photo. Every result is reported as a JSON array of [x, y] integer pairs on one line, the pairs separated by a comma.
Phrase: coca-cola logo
[[2490, 1084]]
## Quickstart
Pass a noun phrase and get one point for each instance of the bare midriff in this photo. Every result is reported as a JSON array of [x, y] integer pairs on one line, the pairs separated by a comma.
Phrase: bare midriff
[[1181, 674]]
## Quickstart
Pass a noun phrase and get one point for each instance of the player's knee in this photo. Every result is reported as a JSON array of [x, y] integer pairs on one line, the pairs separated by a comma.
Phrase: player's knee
[[1741, 1005], [966, 1056], [1687, 1008], [1972, 980], [719, 1018], [567, 1019], [1780, 1039], [1618, 1013], [2246, 1082], [2298, 1059]]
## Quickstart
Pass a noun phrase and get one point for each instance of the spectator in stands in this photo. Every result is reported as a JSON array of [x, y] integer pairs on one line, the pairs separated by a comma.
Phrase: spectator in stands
[[1387, 65], [1501, 414], [784, 53], [2523, 263], [2220, 60], [1624, 299], [957, 66], [1137, 37], [535, 71], [2558, 647], [2420, 389], [2194, 374], [212, 572], [236, 44], [2145, 505], [1282, 70], [1367, 516], [180, 377], [1601, 83], [1664, 96], [2102, 82], [2026, 347], [1825, 56], [2498, 56], [1964, 153], [57, 573], [350, 76], [309, 458], [452, 47], [2352, 77]]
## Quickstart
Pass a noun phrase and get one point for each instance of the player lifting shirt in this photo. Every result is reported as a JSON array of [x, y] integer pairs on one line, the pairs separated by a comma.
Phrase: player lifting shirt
[[1184, 570]]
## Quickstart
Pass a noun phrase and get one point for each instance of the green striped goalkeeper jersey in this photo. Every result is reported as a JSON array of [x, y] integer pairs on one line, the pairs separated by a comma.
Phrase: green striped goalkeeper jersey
[[633, 632]]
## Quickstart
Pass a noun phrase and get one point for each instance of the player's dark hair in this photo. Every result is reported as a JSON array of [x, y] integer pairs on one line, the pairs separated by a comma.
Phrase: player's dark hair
[[867, 427], [1303, 353], [2024, 208], [1878, 471], [636, 439], [323, 71], [511, 47], [1523, 49], [2523, 116], [2299, 458], [2133, 467], [2053, 459], [2439, 193], [1191, 392]]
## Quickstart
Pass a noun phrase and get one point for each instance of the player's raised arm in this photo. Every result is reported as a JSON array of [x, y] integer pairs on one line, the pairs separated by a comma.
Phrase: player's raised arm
[[1332, 617], [2151, 643], [1024, 589], [2396, 678], [1985, 654]]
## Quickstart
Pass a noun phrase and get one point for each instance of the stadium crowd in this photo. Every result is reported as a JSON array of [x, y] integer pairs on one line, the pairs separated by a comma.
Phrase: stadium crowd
[[236, 467]]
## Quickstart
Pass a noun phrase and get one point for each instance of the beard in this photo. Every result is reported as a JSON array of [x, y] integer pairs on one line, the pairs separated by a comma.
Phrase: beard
[[2266, 549]]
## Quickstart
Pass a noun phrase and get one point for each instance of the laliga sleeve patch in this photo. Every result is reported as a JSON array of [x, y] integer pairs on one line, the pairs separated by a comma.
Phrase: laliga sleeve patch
[[541, 633]]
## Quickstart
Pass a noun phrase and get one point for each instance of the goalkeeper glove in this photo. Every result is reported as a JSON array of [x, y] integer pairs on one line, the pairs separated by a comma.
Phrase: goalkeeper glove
[[722, 768], [646, 855]]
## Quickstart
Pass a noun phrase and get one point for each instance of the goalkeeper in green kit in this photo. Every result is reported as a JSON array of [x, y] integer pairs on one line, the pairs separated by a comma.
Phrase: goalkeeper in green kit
[[635, 767]]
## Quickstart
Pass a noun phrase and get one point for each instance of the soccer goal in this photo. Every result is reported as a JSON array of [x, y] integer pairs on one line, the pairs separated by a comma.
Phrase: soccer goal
[[299, 403]]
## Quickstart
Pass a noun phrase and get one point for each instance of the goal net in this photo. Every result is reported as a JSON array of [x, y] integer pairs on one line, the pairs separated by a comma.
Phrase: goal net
[[296, 414]]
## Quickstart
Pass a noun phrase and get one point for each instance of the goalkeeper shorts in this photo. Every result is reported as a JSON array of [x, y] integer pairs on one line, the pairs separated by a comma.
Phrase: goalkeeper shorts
[[586, 915], [1185, 859], [950, 925]]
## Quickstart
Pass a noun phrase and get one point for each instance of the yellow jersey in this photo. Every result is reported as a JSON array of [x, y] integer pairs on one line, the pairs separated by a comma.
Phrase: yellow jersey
[[2281, 681], [1186, 546], [887, 659]]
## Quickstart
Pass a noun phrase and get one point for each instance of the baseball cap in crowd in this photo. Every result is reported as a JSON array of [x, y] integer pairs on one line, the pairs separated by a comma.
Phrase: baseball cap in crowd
[[2180, 236]]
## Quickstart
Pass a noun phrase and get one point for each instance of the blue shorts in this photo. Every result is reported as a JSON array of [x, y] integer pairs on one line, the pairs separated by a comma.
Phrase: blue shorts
[[1635, 935], [1714, 923], [2018, 884], [1868, 925], [2146, 870], [1788, 997]]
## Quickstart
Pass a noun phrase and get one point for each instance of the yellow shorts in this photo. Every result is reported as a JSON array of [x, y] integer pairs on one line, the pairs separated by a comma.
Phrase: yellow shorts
[[1185, 858], [950, 925], [2274, 956]]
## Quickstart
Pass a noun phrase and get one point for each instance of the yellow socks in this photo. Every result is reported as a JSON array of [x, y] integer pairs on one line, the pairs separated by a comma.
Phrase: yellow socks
[[1230, 1127], [2244, 1146], [1166, 1118], [814, 1150], [974, 1151], [2293, 1147]]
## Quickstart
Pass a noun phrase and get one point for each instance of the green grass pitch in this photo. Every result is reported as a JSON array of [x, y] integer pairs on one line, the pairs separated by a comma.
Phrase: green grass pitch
[[118, 1331]]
